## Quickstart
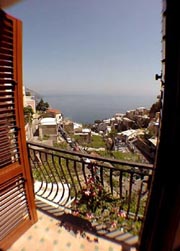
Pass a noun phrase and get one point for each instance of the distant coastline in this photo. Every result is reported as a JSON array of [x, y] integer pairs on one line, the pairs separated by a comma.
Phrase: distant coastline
[[88, 108]]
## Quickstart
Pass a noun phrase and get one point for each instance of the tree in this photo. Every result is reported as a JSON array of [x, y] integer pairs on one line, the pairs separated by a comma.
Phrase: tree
[[28, 114], [42, 106]]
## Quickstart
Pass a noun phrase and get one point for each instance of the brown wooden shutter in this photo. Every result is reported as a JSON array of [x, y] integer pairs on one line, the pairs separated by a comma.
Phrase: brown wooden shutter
[[17, 207]]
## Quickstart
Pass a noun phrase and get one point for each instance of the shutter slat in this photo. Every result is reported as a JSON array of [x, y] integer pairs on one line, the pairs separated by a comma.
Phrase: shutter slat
[[6, 44], [6, 91], [5, 94], [11, 124], [6, 69], [3, 145], [12, 150], [6, 57], [9, 161], [4, 111], [6, 75], [5, 149], [6, 24], [8, 115], [9, 151], [6, 51], [3, 104], [6, 87], [13, 204], [6, 64], [7, 36], [5, 98], [17, 205]]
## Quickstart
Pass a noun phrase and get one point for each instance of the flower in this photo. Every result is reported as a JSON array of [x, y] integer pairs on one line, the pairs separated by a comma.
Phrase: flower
[[113, 224], [89, 215], [76, 202], [75, 213], [87, 192], [94, 194], [122, 214]]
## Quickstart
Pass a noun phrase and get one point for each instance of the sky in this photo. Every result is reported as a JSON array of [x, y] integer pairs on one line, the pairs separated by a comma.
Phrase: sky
[[91, 46]]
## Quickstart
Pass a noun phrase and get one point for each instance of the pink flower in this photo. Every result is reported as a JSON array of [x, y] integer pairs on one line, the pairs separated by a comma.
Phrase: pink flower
[[87, 192], [75, 213], [89, 215], [113, 224], [76, 202], [90, 180], [94, 194], [122, 214]]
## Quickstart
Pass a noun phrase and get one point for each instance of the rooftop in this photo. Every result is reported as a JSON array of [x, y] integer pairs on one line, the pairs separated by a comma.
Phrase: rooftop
[[48, 121]]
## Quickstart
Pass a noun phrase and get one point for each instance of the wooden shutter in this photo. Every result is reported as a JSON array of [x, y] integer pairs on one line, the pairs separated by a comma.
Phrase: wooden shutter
[[17, 207]]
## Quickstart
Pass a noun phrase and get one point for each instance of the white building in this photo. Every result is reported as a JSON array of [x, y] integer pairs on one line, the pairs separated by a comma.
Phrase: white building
[[48, 127], [29, 101]]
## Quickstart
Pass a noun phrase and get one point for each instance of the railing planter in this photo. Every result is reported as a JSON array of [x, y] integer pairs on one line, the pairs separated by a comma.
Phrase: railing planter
[[105, 191]]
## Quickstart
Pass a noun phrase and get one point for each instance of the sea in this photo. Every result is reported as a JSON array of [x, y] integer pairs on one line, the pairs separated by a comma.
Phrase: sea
[[87, 108]]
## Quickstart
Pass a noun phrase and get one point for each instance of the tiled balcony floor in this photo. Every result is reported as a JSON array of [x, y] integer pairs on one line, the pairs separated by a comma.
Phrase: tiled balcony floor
[[48, 235]]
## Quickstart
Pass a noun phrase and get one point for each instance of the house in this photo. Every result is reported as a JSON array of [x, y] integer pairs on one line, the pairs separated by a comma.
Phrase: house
[[125, 135], [29, 101], [55, 113], [48, 124], [48, 128], [84, 133]]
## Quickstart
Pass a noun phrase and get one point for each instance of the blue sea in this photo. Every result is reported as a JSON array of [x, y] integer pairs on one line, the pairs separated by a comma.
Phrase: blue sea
[[88, 108]]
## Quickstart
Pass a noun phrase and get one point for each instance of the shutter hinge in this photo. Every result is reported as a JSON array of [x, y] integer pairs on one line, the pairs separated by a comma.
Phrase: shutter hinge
[[157, 77]]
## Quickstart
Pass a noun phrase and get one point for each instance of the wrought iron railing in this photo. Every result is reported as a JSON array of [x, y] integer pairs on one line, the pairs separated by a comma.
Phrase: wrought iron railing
[[105, 191]]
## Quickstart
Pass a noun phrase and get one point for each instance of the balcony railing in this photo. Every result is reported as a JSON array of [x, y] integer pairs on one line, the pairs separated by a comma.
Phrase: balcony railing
[[107, 192]]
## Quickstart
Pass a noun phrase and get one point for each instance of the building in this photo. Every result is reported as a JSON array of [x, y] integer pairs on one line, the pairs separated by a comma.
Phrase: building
[[55, 113], [29, 100], [48, 129]]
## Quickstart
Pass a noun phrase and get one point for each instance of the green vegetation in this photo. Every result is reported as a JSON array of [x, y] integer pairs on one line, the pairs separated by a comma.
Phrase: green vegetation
[[113, 133], [126, 156], [98, 142], [95, 142], [45, 137], [94, 203], [42, 106], [62, 145], [28, 114]]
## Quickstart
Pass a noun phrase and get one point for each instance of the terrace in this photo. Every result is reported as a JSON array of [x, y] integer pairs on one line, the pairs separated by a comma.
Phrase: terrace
[[99, 199]]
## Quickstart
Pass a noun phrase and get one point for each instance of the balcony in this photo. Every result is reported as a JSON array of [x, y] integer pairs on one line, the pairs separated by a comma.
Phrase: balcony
[[101, 200]]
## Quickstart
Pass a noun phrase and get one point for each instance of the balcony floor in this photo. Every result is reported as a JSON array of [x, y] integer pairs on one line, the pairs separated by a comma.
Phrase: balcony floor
[[48, 235]]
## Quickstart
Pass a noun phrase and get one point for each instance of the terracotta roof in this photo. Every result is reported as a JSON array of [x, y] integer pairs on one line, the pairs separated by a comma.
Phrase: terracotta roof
[[56, 111]]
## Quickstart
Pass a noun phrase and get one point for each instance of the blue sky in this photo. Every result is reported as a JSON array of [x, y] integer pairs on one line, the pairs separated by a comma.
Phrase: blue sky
[[91, 46]]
